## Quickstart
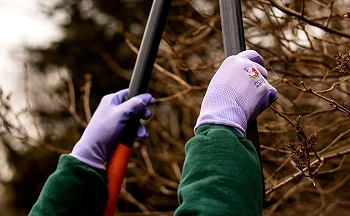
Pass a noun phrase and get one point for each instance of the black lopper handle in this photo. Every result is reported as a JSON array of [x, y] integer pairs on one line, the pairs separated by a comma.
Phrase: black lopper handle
[[234, 42], [118, 162]]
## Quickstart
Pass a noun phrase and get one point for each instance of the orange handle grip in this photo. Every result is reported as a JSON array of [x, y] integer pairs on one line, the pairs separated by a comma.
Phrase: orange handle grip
[[116, 169]]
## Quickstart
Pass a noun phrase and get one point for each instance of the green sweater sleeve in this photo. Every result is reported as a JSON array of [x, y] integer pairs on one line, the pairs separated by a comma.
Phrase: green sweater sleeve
[[73, 189], [221, 175]]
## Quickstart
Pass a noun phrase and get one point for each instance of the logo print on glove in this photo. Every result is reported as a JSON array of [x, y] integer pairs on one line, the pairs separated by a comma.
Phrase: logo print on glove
[[253, 73]]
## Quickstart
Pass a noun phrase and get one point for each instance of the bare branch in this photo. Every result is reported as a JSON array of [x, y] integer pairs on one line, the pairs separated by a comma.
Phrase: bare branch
[[307, 19]]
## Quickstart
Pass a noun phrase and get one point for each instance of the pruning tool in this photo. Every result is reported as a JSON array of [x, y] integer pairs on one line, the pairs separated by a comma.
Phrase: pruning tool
[[234, 42], [117, 164]]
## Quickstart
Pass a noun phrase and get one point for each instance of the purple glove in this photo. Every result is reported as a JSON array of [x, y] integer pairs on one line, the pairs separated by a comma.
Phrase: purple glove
[[106, 125], [237, 93]]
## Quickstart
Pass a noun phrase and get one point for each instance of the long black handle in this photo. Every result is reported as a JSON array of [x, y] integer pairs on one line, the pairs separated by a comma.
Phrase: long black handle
[[149, 47], [232, 26], [234, 42], [145, 60], [117, 164]]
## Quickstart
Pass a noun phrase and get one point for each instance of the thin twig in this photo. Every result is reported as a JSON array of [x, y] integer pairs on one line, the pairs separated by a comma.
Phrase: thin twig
[[86, 98], [293, 176], [308, 20], [29, 107], [336, 105], [282, 116]]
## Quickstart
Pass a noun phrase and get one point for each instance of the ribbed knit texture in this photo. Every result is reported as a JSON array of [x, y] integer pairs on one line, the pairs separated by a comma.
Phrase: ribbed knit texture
[[73, 189], [221, 175]]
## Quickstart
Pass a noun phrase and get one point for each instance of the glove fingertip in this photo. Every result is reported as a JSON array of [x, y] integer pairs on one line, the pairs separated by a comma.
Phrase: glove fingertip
[[273, 96], [147, 99], [265, 101], [142, 133], [258, 59], [253, 56], [147, 114], [152, 101]]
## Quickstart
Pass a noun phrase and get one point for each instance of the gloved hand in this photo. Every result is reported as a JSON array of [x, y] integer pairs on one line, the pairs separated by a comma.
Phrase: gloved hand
[[106, 125], [237, 93]]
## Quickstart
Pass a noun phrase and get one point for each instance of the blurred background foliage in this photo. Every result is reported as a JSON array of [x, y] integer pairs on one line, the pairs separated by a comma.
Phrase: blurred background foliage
[[305, 45]]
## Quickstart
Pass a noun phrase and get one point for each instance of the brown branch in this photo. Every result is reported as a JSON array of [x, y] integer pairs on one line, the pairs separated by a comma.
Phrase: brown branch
[[282, 116], [69, 104], [201, 31], [330, 15], [151, 171], [86, 97], [179, 94], [335, 169], [307, 19], [29, 107], [130, 198], [115, 67], [293, 176], [167, 73], [340, 136], [284, 198], [13, 126], [334, 85], [336, 105]]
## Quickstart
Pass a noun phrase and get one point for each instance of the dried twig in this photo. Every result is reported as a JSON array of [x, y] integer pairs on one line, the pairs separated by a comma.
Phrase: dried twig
[[293, 176], [301, 153], [11, 125], [86, 97], [308, 20], [343, 63], [335, 104]]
